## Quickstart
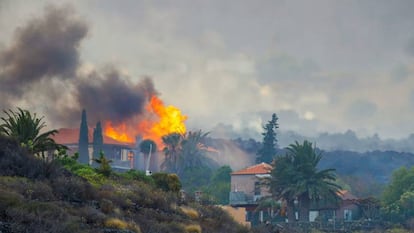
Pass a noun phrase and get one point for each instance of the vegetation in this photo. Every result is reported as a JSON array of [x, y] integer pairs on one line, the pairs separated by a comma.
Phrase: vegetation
[[104, 165], [269, 145], [296, 177], [26, 129], [83, 140], [65, 196], [97, 140]]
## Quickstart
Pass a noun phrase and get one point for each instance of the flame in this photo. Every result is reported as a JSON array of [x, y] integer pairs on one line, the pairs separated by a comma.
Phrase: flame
[[161, 120]]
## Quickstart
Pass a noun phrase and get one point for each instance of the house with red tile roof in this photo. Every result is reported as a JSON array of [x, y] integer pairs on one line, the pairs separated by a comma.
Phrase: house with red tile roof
[[246, 188], [122, 154]]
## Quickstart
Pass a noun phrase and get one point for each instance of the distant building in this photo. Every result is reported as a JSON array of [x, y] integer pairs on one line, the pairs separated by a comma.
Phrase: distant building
[[247, 190]]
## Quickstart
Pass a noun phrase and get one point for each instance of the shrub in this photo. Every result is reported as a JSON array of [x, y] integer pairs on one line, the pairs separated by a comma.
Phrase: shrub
[[117, 223], [190, 212], [193, 228], [73, 189]]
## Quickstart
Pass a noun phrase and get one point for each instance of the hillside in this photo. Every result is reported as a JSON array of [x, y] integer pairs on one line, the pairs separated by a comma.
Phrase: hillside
[[39, 196]]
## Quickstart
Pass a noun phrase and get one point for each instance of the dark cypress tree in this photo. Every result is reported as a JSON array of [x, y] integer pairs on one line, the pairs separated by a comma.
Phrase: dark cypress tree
[[97, 140], [269, 146], [83, 140]]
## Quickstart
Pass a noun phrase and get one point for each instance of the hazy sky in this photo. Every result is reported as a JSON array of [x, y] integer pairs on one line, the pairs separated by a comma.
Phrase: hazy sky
[[321, 65]]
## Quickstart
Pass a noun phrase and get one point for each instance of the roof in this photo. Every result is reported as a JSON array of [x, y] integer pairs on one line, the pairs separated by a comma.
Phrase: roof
[[261, 168], [68, 136], [346, 195]]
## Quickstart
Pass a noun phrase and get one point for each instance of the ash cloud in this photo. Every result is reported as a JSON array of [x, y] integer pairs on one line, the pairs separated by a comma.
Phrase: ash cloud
[[45, 48], [42, 69], [112, 97]]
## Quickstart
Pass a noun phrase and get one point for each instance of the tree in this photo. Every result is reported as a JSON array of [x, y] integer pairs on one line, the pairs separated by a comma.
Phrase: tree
[[398, 196], [171, 151], [193, 150], [104, 167], [295, 177], [83, 140], [147, 147], [97, 140], [269, 146], [26, 129]]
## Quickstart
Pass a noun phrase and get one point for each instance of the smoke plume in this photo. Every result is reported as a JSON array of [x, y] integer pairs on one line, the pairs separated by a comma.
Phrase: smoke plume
[[45, 56], [45, 48]]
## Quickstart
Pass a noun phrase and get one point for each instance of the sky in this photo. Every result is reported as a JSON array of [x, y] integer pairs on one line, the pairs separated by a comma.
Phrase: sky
[[321, 65]]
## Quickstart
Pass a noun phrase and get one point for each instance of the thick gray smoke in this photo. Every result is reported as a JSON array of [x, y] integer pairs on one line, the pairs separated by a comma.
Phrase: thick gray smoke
[[45, 54], [112, 98], [45, 48]]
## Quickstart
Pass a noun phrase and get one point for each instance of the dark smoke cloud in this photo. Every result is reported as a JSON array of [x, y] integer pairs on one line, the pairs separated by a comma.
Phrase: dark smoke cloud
[[45, 48], [45, 56], [113, 97]]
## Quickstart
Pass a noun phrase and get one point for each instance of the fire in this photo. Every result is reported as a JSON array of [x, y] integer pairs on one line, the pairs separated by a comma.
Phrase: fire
[[161, 120]]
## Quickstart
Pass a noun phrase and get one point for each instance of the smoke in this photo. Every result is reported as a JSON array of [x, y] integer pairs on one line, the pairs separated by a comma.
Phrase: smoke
[[45, 48], [111, 97], [44, 58]]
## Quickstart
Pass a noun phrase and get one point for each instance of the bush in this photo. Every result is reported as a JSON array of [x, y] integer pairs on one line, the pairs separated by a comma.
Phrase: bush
[[190, 212], [117, 223], [193, 228]]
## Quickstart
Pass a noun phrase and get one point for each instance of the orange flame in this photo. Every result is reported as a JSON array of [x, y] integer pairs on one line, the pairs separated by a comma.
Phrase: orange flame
[[161, 120]]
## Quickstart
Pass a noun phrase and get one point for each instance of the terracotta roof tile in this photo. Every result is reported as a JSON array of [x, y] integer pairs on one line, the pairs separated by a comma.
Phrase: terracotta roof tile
[[262, 168], [68, 136], [346, 195]]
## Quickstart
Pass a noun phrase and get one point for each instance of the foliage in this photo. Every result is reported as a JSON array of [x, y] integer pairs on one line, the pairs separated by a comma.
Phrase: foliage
[[171, 151], [26, 129], [295, 176], [269, 145], [219, 185], [97, 140], [84, 139], [104, 166], [167, 182], [36, 196], [398, 196]]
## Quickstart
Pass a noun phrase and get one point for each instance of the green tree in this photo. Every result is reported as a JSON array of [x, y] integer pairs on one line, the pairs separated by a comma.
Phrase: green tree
[[83, 145], [97, 140], [104, 165], [398, 197], [171, 151], [220, 182], [26, 129], [269, 146], [296, 177], [193, 150]]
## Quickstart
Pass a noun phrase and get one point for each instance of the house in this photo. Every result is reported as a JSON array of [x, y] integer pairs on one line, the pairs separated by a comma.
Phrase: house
[[124, 155], [247, 191], [347, 209]]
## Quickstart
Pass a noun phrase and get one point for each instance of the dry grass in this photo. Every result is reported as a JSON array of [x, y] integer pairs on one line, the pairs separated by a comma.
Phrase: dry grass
[[190, 212], [193, 228], [122, 225]]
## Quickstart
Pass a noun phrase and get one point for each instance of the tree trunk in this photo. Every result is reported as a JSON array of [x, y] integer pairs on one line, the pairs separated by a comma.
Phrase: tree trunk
[[290, 204], [304, 203]]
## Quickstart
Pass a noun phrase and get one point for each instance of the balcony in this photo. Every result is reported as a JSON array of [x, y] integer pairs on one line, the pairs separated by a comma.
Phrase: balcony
[[242, 199]]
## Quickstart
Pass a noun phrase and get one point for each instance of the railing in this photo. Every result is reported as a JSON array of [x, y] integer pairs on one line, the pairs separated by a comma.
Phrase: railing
[[327, 226], [241, 198]]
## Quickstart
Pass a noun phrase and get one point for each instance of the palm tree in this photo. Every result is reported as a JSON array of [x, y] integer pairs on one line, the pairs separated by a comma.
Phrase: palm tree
[[193, 149], [171, 151], [26, 129], [296, 177], [147, 147]]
